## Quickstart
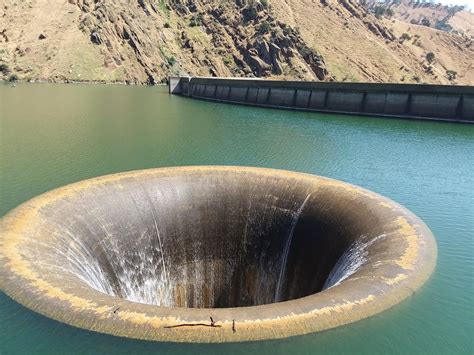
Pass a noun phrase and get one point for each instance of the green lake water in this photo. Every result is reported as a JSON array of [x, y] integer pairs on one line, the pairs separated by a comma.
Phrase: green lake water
[[51, 135]]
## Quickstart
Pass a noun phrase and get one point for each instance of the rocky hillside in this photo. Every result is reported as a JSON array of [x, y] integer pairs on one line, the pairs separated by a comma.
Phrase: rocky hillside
[[144, 41]]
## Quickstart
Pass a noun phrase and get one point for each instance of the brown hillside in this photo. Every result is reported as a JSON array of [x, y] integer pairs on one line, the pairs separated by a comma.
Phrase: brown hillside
[[146, 40]]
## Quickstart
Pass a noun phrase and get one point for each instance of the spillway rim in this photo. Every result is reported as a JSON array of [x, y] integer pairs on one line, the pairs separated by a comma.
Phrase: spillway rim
[[358, 297]]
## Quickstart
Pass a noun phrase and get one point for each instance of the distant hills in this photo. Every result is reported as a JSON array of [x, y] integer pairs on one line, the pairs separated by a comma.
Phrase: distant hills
[[455, 19]]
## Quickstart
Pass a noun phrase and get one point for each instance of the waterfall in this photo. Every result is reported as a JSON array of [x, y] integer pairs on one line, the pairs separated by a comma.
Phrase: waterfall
[[133, 274], [286, 251], [351, 261], [119, 268]]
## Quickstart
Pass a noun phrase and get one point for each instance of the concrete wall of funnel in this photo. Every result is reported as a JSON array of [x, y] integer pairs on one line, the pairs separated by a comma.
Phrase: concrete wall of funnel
[[212, 254]]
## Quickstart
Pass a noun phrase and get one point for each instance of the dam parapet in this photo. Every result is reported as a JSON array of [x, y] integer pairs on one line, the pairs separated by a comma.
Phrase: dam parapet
[[413, 101]]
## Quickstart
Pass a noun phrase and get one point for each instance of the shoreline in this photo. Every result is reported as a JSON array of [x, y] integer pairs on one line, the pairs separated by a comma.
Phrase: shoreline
[[96, 82]]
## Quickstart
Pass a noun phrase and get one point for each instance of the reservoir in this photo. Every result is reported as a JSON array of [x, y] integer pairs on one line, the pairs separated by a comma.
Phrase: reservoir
[[52, 135]]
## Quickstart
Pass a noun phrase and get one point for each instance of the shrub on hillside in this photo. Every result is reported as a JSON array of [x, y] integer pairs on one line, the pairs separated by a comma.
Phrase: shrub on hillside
[[425, 22], [4, 69], [196, 20], [451, 74], [12, 78], [405, 37], [171, 60], [264, 27], [441, 25]]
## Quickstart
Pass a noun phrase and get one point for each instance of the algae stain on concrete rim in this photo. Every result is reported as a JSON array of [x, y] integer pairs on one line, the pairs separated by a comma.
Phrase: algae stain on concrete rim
[[87, 254]]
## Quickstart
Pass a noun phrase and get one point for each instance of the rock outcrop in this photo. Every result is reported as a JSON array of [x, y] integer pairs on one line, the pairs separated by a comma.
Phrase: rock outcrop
[[260, 45]]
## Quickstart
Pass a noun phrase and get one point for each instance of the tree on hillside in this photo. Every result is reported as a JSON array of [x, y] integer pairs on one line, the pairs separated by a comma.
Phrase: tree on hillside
[[379, 11], [430, 57]]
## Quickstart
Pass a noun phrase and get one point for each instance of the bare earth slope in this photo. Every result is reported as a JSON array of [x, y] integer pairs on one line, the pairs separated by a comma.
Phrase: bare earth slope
[[144, 41]]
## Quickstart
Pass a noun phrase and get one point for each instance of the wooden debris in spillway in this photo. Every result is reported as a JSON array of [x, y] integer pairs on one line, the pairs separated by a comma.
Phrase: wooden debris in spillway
[[212, 325]]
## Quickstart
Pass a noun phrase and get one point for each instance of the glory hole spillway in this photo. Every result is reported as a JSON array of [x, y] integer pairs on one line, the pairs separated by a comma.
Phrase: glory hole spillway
[[265, 253]]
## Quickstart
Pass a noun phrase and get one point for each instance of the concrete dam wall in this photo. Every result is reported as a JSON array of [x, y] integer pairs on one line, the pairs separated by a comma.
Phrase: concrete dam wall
[[416, 101]]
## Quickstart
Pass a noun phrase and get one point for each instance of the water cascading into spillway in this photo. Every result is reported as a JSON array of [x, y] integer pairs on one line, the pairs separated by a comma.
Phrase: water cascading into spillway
[[137, 270], [351, 261], [147, 282], [212, 254]]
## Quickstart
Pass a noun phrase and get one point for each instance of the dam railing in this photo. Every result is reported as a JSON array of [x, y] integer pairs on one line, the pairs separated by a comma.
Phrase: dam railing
[[415, 101]]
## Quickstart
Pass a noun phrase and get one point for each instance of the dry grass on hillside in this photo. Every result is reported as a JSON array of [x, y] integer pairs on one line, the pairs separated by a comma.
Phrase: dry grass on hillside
[[145, 41]]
